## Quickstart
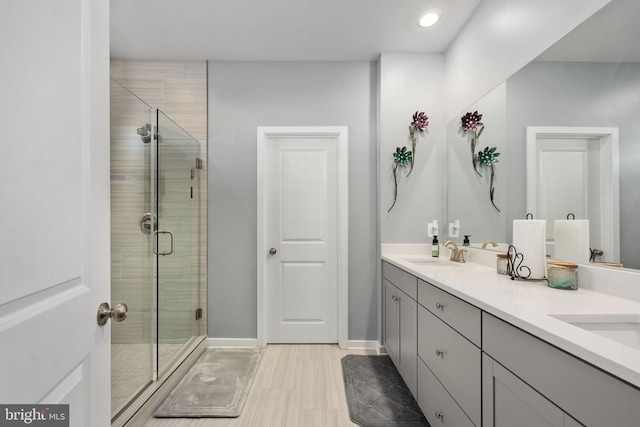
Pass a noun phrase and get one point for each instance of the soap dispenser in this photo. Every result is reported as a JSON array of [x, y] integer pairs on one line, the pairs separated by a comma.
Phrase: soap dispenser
[[435, 247], [466, 240]]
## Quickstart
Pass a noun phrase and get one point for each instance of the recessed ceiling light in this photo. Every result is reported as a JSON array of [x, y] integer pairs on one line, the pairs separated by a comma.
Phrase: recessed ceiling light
[[429, 19]]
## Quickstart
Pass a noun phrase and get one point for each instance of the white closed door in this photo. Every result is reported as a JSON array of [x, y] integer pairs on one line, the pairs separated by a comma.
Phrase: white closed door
[[569, 182], [54, 199], [302, 239]]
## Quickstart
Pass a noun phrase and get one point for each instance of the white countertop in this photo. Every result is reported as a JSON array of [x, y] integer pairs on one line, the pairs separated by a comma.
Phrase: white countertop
[[529, 305]]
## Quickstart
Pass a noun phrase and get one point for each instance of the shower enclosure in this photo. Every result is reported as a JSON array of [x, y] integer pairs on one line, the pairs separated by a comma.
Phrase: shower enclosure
[[156, 236]]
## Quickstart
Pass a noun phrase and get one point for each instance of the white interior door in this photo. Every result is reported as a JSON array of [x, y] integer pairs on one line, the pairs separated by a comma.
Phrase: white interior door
[[54, 194], [575, 170], [568, 182], [303, 236]]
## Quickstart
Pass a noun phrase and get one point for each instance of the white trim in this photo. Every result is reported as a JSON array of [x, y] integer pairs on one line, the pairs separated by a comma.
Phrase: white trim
[[264, 132], [609, 170], [232, 342], [365, 345]]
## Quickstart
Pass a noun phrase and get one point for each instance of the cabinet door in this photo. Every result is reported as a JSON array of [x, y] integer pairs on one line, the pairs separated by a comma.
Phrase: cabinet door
[[437, 404], [508, 401], [408, 340], [391, 321]]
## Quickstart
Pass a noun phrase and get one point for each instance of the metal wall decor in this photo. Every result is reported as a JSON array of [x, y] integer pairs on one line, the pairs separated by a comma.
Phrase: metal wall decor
[[403, 157], [472, 126]]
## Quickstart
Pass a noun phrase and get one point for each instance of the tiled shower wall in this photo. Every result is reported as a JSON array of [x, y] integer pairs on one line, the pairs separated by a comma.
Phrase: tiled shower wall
[[179, 89]]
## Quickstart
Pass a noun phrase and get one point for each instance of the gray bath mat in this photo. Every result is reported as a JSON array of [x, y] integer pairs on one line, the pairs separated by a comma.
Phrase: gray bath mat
[[216, 385], [377, 396]]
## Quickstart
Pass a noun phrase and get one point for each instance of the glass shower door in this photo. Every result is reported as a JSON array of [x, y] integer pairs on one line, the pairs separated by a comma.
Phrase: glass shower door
[[131, 246], [177, 263]]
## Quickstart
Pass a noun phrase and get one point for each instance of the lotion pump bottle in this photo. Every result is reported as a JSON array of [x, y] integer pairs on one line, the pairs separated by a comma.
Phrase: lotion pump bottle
[[435, 247]]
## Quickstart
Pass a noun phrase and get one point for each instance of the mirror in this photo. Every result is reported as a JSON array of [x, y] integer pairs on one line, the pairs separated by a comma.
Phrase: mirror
[[589, 79]]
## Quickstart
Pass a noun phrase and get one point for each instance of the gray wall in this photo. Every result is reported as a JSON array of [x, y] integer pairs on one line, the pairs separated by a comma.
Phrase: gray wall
[[579, 94], [410, 82], [244, 95]]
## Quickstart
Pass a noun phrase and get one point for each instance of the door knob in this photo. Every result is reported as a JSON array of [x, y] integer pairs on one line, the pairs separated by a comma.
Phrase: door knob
[[117, 313], [273, 251]]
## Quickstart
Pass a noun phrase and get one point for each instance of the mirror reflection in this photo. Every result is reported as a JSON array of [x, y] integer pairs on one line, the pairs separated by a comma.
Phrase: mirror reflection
[[587, 86]]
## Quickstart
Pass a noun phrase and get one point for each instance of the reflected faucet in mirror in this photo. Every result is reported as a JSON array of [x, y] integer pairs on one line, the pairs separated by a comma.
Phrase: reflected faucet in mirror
[[489, 242], [594, 254], [457, 254]]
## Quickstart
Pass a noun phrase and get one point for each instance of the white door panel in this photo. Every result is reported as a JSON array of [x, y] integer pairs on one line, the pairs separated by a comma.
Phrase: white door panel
[[303, 194], [54, 194], [301, 219], [575, 170]]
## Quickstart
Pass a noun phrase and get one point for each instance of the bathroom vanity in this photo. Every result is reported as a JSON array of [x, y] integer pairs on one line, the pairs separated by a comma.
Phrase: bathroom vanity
[[478, 349]]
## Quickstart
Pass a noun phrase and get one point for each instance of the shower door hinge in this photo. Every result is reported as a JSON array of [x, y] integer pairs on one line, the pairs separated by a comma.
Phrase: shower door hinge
[[198, 163], [198, 313]]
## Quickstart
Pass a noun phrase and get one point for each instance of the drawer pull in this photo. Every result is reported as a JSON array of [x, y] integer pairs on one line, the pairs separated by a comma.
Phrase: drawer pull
[[439, 306], [439, 353], [439, 415]]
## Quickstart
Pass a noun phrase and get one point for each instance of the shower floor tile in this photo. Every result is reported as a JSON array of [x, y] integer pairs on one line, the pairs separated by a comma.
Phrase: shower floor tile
[[132, 369]]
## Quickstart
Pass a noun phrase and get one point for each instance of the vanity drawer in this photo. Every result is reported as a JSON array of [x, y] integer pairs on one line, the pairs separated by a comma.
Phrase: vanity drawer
[[437, 405], [406, 282], [454, 360], [461, 316], [588, 394]]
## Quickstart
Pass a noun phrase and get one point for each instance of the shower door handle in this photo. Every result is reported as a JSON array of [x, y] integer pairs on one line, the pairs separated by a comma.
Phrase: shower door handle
[[156, 236]]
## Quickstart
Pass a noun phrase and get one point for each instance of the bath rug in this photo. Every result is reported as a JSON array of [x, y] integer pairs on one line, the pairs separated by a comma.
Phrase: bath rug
[[217, 385], [377, 396]]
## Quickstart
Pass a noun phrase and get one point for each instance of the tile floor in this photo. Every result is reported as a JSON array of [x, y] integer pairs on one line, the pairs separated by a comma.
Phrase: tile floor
[[295, 385]]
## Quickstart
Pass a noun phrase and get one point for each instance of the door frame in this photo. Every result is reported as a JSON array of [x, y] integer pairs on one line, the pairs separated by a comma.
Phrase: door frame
[[265, 133], [607, 137]]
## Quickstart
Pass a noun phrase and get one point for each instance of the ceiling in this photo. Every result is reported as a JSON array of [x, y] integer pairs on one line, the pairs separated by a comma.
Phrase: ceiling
[[610, 35], [282, 30]]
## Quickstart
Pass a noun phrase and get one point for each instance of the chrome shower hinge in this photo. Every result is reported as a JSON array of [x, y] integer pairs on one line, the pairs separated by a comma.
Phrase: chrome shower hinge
[[198, 163]]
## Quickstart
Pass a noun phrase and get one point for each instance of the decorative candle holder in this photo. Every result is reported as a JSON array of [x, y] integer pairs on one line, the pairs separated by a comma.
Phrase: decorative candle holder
[[502, 264], [562, 275]]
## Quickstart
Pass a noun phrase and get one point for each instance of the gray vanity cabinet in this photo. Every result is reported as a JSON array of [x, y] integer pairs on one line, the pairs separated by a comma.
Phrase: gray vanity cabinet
[[391, 321], [449, 358], [586, 393], [400, 322], [508, 401], [467, 368]]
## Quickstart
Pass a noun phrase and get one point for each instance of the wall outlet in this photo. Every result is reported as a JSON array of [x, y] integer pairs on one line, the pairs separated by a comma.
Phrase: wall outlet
[[432, 228], [454, 229]]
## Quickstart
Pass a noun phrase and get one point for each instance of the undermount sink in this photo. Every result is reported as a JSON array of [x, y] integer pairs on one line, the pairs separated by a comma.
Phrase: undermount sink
[[430, 261], [621, 328]]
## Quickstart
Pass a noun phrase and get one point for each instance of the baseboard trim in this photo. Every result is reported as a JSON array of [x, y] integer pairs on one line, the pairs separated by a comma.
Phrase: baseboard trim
[[232, 342], [364, 345], [253, 342]]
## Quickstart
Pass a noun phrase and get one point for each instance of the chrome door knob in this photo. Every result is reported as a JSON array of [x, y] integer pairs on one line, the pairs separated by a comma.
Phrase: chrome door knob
[[118, 313], [273, 251]]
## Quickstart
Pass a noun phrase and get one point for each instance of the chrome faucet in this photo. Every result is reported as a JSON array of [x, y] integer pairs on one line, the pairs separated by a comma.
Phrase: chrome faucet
[[489, 242], [457, 254]]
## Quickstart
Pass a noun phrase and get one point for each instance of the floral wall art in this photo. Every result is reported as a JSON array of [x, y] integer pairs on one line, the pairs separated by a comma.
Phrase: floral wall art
[[472, 126], [402, 157]]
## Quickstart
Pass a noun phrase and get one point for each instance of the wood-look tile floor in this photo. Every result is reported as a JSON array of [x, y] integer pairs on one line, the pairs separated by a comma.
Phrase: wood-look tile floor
[[295, 385]]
